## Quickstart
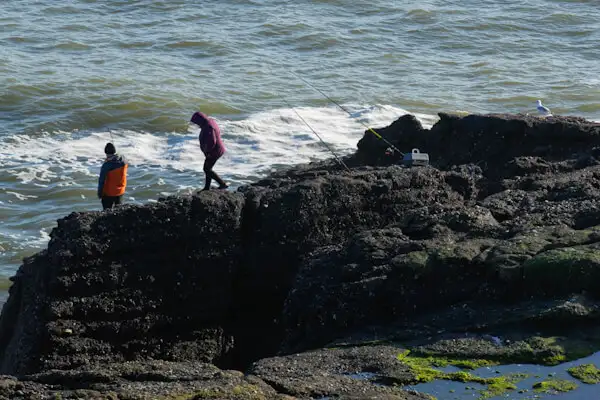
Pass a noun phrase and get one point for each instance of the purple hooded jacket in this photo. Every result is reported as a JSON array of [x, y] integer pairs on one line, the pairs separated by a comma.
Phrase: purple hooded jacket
[[210, 136]]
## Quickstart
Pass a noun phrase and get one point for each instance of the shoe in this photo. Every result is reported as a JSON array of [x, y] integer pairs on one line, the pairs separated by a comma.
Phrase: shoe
[[223, 187]]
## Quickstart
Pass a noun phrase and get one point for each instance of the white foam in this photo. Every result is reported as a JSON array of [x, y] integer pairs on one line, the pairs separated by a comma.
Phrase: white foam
[[22, 196], [41, 240], [281, 137], [63, 167], [254, 145], [40, 160], [16, 241]]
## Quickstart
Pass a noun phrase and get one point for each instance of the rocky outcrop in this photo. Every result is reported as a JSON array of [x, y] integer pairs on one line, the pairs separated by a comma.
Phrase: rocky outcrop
[[490, 141], [133, 381], [353, 372], [149, 282], [505, 223]]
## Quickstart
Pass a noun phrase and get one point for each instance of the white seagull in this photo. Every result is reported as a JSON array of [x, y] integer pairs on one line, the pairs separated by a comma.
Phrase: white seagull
[[545, 111]]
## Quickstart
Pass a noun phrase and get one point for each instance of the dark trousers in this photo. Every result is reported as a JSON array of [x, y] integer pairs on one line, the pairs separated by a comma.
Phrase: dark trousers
[[110, 201], [209, 163]]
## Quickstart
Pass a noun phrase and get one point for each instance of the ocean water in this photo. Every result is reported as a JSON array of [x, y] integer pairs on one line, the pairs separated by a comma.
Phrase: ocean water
[[75, 74]]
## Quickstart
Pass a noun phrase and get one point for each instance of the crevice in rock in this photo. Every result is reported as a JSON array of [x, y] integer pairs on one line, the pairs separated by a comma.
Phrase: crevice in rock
[[258, 295], [501, 216], [281, 389], [587, 219]]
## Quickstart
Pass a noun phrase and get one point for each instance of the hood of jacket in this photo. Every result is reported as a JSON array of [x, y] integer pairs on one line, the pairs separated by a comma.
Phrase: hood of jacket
[[199, 119]]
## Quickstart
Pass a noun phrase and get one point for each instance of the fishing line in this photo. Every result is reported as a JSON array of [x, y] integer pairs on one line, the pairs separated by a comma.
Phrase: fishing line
[[112, 139], [313, 131], [322, 141], [349, 113], [111, 136]]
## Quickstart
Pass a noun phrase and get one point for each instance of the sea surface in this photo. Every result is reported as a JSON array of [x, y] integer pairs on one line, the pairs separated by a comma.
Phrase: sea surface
[[75, 74]]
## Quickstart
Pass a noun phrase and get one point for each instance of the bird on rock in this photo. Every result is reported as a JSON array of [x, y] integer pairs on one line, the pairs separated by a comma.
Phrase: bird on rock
[[545, 111]]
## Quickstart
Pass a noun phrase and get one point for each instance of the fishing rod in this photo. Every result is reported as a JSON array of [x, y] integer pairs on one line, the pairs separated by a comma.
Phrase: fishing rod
[[343, 108], [111, 136], [310, 127], [112, 139], [339, 160]]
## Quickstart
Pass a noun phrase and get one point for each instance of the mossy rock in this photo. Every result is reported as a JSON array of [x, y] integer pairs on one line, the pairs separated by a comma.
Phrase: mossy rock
[[457, 253], [441, 361], [551, 350], [564, 270], [239, 392], [417, 261], [555, 385], [424, 262], [423, 371], [586, 373], [554, 350], [533, 242], [539, 239], [501, 385], [525, 244]]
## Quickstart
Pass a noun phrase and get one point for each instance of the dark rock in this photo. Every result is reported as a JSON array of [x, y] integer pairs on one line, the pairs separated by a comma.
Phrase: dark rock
[[378, 277], [349, 372], [489, 141], [372, 150], [318, 211], [140, 282], [150, 380], [493, 237]]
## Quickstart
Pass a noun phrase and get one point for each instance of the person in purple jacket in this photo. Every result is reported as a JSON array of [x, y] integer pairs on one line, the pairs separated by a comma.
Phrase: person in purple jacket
[[212, 147]]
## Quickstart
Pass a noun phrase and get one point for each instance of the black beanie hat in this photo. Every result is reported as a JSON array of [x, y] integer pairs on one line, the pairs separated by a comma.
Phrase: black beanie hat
[[110, 148]]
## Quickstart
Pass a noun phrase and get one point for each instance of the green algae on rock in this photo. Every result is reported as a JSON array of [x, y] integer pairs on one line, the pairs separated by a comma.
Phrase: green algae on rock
[[240, 392], [364, 371], [442, 361], [551, 350], [555, 350], [422, 368], [555, 385], [586, 373], [500, 385], [564, 269]]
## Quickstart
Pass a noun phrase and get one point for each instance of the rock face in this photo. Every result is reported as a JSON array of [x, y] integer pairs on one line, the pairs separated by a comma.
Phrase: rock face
[[506, 218], [133, 381], [151, 282], [489, 141]]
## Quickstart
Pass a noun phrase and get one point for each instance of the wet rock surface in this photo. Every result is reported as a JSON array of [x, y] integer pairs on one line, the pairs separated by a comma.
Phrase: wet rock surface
[[134, 380], [314, 280], [363, 372]]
